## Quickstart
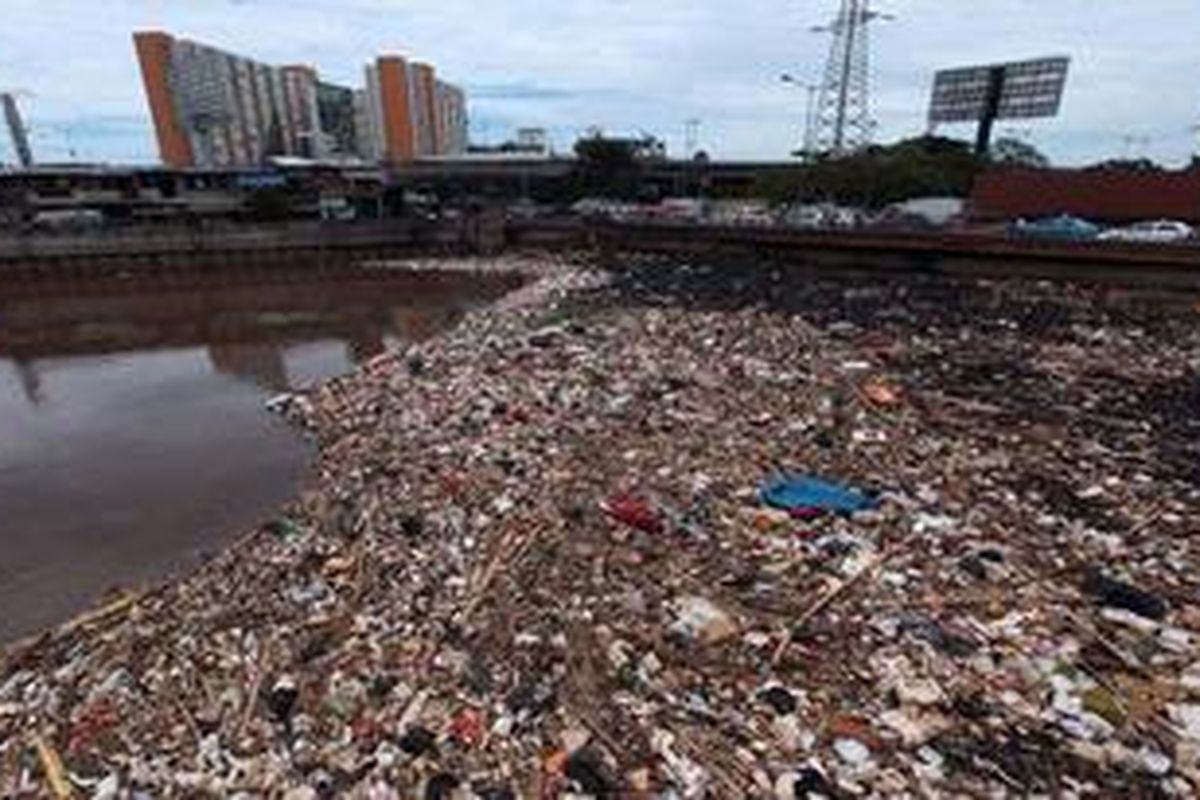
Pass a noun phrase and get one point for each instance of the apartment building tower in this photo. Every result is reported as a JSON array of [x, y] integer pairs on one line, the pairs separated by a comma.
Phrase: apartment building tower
[[409, 113], [215, 109]]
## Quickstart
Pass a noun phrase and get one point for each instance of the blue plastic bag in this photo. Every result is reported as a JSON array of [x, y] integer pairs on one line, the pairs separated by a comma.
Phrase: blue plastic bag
[[800, 493]]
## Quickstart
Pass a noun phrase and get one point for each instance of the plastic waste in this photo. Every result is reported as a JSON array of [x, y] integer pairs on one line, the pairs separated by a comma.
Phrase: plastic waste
[[636, 513], [1118, 594], [805, 496]]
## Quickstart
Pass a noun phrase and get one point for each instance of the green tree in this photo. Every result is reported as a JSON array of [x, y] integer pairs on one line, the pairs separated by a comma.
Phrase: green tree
[[1016, 153], [1127, 165], [879, 175], [613, 167]]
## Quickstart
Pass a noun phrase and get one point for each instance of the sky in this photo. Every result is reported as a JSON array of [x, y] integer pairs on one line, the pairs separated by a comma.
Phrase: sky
[[628, 66]]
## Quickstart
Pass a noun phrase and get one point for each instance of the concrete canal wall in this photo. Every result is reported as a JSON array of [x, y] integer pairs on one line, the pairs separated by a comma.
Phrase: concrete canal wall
[[332, 245]]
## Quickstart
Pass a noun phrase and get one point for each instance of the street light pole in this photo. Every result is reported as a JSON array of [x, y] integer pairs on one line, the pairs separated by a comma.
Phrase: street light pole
[[810, 114]]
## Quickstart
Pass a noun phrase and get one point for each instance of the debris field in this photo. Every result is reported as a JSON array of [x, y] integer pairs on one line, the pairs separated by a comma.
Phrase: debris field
[[661, 529]]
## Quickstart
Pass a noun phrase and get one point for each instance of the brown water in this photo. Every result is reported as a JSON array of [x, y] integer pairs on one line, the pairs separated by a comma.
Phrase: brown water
[[133, 433]]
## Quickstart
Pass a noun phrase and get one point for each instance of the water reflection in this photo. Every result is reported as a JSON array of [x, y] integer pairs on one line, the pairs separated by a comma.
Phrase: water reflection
[[260, 364], [132, 431], [30, 380]]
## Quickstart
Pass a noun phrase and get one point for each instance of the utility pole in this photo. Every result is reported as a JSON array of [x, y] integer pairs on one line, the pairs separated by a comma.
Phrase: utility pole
[[16, 129], [1132, 140], [843, 121], [691, 138], [809, 145], [810, 119]]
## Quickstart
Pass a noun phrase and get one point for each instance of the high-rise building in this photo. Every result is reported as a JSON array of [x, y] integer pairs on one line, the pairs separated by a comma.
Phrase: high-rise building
[[452, 105], [410, 113], [423, 91], [216, 109], [390, 107]]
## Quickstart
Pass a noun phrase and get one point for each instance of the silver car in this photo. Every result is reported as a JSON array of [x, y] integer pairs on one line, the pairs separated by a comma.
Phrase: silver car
[[1160, 231]]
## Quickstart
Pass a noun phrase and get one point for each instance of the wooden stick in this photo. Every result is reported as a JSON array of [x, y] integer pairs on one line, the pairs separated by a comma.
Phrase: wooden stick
[[824, 601], [116, 608], [1148, 522], [188, 718], [1128, 659], [52, 766], [506, 554], [247, 713]]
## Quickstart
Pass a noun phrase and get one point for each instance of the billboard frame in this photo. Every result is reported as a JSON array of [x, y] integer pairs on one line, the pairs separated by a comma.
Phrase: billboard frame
[[1012, 90]]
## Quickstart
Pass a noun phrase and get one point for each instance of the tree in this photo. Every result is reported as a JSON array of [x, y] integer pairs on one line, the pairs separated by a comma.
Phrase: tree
[[613, 167], [1016, 153], [1127, 165], [879, 175]]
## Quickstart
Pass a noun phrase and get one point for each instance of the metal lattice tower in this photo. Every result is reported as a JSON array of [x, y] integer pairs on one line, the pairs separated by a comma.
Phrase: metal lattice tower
[[842, 123]]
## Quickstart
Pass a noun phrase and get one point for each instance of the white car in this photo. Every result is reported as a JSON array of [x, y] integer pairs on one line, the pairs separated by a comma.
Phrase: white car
[[1162, 231]]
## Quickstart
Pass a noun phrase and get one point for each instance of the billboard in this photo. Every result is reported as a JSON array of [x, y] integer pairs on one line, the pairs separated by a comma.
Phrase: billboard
[[1016, 90]]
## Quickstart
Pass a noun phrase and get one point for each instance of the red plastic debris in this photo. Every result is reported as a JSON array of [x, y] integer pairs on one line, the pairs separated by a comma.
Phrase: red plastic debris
[[635, 512], [467, 727], [91, 725]]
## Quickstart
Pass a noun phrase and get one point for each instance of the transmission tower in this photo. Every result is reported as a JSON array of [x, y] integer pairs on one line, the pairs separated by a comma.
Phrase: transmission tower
[[842, 123]]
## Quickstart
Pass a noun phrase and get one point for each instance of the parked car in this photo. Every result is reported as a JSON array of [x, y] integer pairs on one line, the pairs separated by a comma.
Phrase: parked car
[[895, 219], [822, 216], [1062, 228], [1159, 231], [69, 219], [804, 217], [938, 212]]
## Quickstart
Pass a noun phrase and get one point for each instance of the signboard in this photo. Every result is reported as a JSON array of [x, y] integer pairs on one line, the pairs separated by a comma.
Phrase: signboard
[[1017, 90], [261, 180]]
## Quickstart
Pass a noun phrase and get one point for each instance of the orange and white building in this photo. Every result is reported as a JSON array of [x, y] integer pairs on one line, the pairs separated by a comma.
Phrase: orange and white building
[[212, 108], [410, 114]]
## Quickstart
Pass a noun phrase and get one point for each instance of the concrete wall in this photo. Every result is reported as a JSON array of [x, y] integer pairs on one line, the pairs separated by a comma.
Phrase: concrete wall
[[1101, 195]]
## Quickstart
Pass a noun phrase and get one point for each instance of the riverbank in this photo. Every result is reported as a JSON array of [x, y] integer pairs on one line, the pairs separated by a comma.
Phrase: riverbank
[[535, 558]]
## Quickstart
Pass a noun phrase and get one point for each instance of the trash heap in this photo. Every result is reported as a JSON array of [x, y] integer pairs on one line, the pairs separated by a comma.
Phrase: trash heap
[[687, 531]]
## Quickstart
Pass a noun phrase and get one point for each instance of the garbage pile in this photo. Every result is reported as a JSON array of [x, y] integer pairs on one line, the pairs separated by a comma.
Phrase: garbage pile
[[687, 531]]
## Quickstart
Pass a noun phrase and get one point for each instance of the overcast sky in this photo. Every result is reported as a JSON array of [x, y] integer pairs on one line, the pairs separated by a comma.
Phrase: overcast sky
[[627, 65]]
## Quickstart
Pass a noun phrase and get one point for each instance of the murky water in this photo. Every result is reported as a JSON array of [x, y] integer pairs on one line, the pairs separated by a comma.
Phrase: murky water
[[133, 433]]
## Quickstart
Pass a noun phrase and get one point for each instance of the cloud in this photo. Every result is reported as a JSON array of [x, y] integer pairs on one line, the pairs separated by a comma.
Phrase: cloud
[[628, 66], [518, 91]]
